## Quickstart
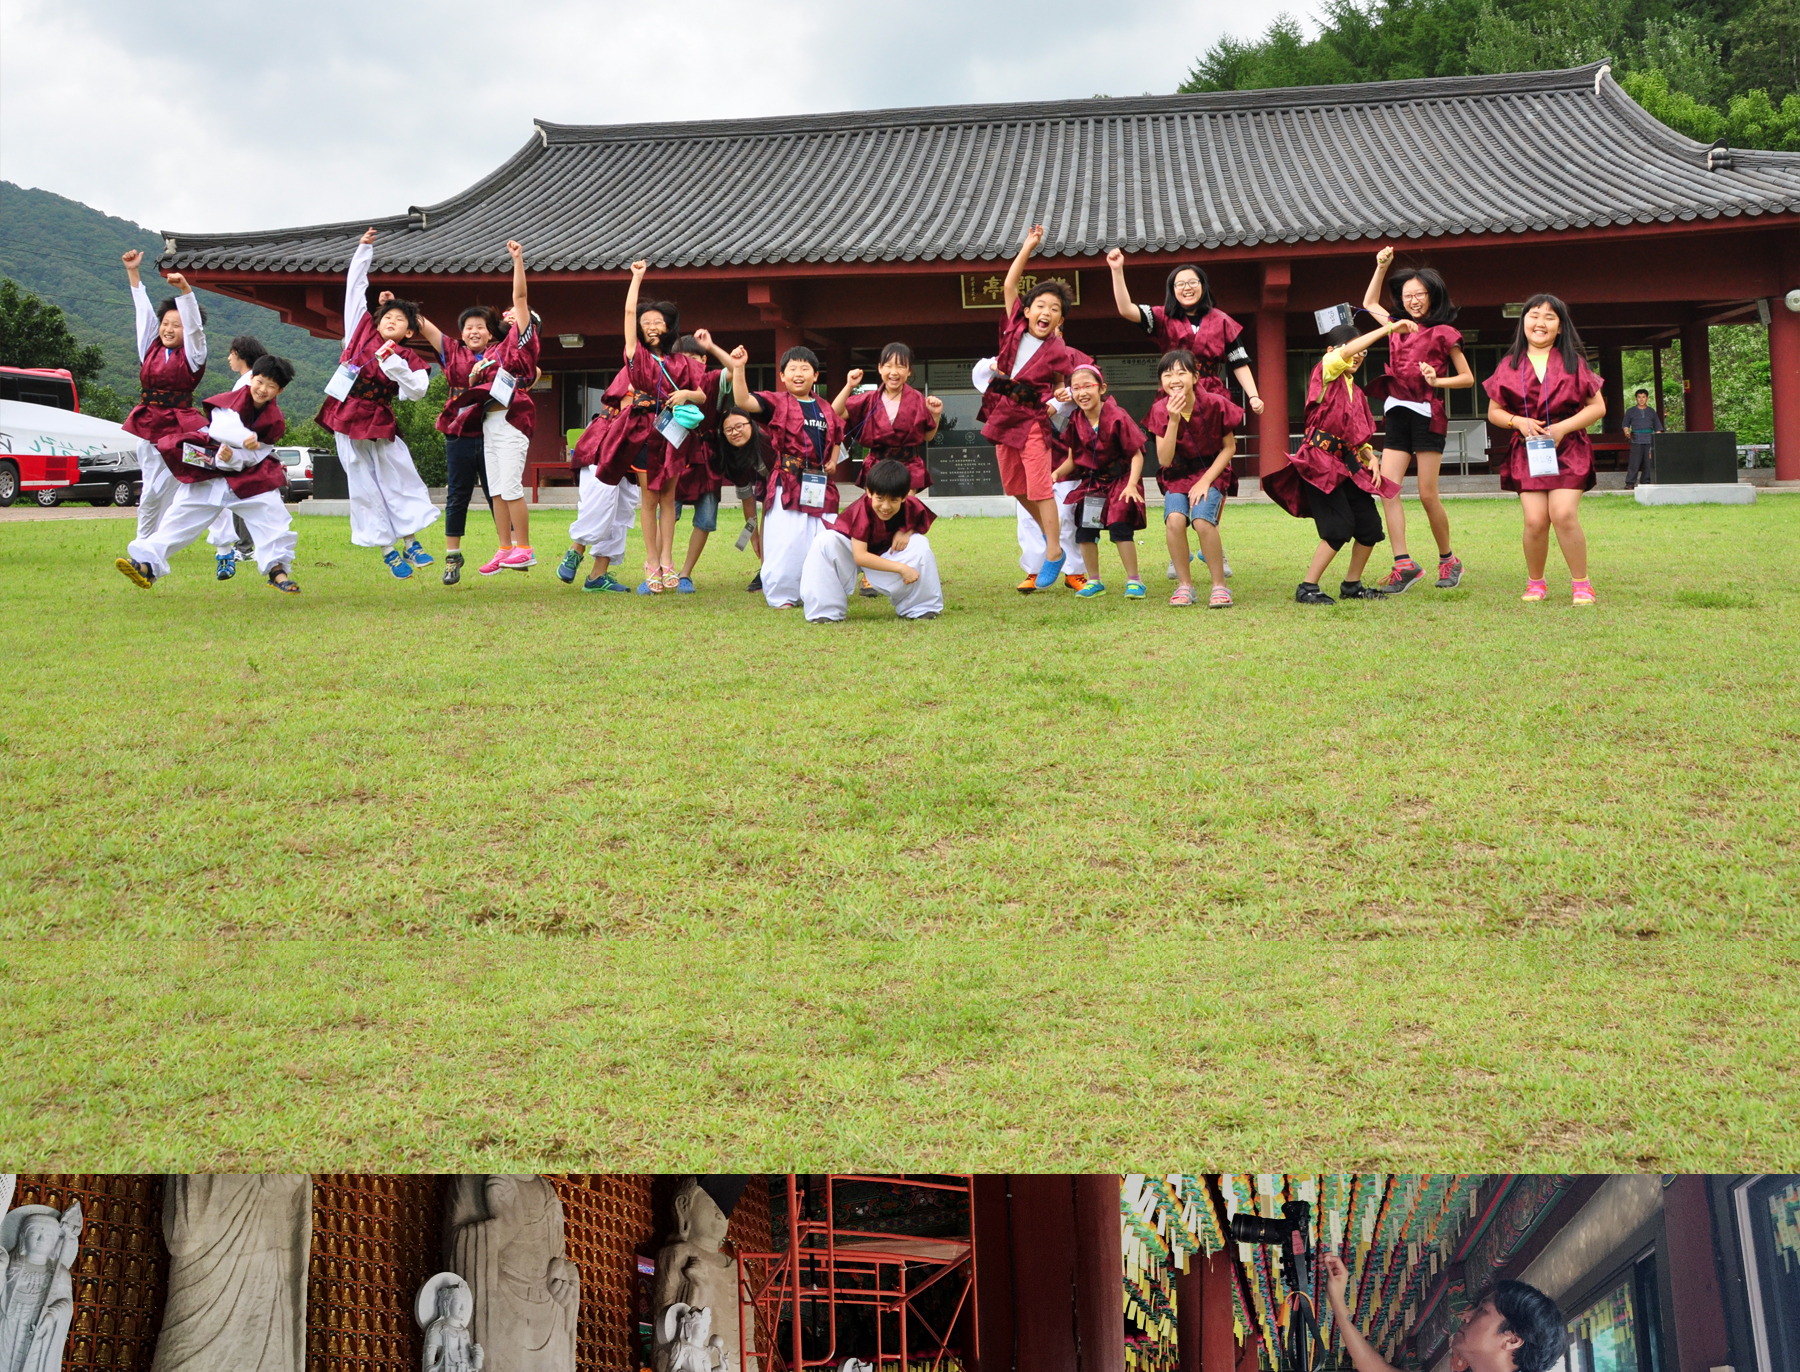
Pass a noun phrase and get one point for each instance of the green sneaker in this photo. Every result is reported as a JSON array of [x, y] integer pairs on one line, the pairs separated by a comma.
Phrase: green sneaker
[[566, 569], [1093, 588], [1134, 590], [605, 582]]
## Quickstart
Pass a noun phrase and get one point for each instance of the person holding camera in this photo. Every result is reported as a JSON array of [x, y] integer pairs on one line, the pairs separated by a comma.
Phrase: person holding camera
[[1513, 1328]]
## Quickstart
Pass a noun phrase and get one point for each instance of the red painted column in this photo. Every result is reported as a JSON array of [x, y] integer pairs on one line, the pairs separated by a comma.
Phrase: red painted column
[[1696, 1308], [1100, 1273], [1612, 386], [1696, 376], [1271, 368], [1044, 1248], [1218, 1341], [994, 1275], [1784, 381], [1190, 1304]]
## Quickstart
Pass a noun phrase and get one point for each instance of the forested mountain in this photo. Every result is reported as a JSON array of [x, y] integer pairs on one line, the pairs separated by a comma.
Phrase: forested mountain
[[69, 254]]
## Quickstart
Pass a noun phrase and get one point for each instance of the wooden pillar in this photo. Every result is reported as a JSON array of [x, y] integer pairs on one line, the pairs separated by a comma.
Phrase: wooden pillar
[[1696, 377], [1271, 427], [1612, 385], [1190, 1306], [1784, 381], [1656, 353], [1218, 1340], [1100, 1273], [1696, 1308], [994, 1274], [1043, 1251], [786, 336]]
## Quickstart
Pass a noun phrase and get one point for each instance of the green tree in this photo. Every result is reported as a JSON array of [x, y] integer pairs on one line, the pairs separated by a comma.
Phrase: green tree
[[417, 423], [33, 333], [1765, 48]]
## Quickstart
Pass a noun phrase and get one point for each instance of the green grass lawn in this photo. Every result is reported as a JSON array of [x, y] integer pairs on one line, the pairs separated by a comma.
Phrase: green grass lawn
[[389, 872]]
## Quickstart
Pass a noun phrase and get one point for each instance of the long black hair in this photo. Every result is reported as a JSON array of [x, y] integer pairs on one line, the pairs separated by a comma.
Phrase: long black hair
[[1568, 342], [1174, 309], [671, 313], [1441, 311]]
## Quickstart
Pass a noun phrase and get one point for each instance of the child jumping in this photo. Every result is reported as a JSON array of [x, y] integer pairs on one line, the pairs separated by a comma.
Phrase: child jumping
[[223, 463], [1335, 476], [1195, 443], [883, 533], [171, 349], [477, 329], [1106, 462], [229, 536], [389, 504], [604, 514]]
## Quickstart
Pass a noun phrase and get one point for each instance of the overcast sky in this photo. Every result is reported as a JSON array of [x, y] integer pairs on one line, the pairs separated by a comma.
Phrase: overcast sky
[[350, 109]]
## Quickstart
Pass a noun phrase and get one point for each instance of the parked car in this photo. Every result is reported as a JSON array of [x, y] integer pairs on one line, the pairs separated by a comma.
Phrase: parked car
[[298, 463], [106, 479], [44, 435]]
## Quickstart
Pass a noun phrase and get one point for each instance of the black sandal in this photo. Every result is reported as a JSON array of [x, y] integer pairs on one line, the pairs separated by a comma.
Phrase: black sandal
[[286, 582]]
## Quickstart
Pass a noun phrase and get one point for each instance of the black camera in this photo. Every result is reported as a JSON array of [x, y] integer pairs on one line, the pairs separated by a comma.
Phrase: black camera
[[1292, 1234]]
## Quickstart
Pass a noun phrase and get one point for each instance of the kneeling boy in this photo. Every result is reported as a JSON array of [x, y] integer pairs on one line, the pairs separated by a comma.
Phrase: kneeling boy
[[225, 463], [884, 534]]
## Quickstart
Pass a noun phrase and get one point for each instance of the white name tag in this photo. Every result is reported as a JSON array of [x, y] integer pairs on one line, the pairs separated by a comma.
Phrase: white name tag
[[1093, 511], [338, 388], [670, 428], [1540, 456], [812, 490], [501, 392]]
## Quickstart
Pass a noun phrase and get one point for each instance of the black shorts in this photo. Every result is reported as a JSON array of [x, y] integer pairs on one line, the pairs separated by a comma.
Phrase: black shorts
[[1122, 532], [1347, 513], [1409, 431]]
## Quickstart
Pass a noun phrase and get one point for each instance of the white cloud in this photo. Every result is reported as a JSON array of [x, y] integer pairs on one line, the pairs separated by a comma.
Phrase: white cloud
[[202, 115]]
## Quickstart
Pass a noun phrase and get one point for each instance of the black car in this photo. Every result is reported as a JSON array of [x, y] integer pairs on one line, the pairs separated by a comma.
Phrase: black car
[[106, 479]]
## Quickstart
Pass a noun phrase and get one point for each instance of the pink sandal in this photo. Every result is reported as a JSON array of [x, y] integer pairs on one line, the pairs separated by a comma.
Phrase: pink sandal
[[1536, 590], [1221, 599], [671, 579], [1184, 595], [653, 578], [1583, 592]]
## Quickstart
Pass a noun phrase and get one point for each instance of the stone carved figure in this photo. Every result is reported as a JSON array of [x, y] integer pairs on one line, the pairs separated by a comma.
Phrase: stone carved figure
[[691, 1270], [37, 1296], [238, 1248], [444, 1308], [505, 1239], [686, 1332]]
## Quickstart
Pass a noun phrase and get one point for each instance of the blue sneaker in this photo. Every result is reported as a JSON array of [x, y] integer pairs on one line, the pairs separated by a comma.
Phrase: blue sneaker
[[566, 569], [397, 564], [1134, 590], [1046, 578], [605, 581], [417, 555], [685, 586], [644, 588], [227, 564], [1093, 588]]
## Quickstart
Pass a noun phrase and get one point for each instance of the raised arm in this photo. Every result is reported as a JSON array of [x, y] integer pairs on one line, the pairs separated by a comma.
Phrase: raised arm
[[1128, 310], [1372, 297], [356, 283], [193, 328], [935, 408], [1368, 340], [433, 335], [841, 403], [638, 269], [1014, 272], [741, 394], [143, 311], [1362, 1352], [521, 306]]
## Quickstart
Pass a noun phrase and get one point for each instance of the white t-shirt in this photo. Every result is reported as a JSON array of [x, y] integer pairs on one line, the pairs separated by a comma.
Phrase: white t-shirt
[[1028, 346]]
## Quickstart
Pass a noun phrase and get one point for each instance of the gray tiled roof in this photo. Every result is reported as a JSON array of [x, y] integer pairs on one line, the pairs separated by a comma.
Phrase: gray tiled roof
[[1488, 154]]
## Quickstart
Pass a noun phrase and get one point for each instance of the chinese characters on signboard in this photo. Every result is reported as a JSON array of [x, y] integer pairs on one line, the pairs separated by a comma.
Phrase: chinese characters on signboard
[[987, 290]]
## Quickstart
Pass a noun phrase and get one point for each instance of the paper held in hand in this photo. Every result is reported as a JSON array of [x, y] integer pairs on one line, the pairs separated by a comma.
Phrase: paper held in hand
[[1540, 456]]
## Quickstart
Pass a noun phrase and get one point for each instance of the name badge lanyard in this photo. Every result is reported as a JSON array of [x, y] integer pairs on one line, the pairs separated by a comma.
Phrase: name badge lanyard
[[1540, 452]]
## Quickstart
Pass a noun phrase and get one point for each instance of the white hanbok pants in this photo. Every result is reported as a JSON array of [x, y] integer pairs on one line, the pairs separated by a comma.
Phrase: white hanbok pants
[[829, 579], [1031, 534], [788, 536], [603, 515], [388, 501], [194, 508], [158, 487]]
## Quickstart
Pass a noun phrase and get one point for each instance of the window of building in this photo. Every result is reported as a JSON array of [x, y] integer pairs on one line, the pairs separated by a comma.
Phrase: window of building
[[1620, 1331], [1768, 1225]]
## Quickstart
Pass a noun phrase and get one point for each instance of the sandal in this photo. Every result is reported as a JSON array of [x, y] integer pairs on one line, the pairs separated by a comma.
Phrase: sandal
[[652, 578], [1184, 595], [1536, 590], [1220, 600], [1584, 593], [671, 579]]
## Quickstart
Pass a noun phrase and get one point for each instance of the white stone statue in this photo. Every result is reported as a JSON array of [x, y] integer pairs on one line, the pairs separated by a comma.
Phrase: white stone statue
[[505, 1239], [686, 1334], [856, 1365], [37, 1297], [238, 1249], [444, 1309], [691, 1270]]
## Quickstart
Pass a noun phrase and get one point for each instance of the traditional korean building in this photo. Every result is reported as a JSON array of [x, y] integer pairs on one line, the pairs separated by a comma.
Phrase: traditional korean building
[[1041, 1273], [845, 231]]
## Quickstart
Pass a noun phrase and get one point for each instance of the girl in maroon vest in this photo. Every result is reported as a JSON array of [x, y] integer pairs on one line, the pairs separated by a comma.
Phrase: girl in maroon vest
[[1195, 441], [494, 406], [1335, 476], [171, 349], [1033, 361], [1106, 461], [604, 513], [804, 435], [1544, 391], [389, 504], [1188, 320], [634, 445], [893, 420], [224, 463], [1422, 365]]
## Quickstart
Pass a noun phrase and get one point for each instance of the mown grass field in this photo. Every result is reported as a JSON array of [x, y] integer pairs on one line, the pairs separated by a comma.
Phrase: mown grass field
[[389, 872]]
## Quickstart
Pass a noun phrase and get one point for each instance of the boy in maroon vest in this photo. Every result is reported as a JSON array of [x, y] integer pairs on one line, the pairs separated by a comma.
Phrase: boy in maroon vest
[[171, 349], [224, 463], [884, 535]]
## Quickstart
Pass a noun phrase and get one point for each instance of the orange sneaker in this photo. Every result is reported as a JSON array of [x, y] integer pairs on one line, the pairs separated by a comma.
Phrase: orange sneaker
[[1028, 585], [1074, 580]]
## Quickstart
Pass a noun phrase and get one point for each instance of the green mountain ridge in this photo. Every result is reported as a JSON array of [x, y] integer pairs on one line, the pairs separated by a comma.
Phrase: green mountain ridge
[[68, 254]]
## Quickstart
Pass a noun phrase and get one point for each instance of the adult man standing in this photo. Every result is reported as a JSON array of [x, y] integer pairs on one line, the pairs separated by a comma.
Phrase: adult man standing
[[1643, 424], [1512, 1328]]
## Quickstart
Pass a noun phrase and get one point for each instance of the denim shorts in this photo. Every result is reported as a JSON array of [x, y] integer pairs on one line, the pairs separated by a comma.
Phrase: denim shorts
[[1177, 503], [706, 512]]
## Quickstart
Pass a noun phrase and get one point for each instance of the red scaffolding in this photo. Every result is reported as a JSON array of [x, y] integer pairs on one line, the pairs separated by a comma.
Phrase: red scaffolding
[[825, 1265]]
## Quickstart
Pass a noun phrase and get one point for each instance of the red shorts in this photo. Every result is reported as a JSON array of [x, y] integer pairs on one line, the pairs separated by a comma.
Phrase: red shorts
[[1026, 471]]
